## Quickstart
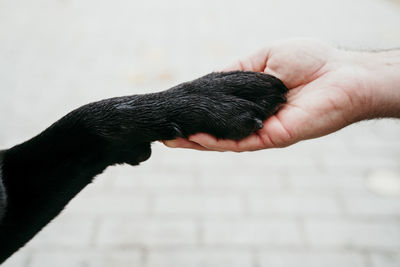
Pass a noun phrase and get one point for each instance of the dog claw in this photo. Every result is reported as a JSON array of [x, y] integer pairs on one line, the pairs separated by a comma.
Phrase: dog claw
[[259, 124]]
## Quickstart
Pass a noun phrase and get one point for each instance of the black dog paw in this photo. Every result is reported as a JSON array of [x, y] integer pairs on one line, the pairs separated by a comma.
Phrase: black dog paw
[[228, 105]]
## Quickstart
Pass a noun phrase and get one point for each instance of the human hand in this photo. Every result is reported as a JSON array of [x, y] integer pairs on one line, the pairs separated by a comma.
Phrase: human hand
[[328, 90]]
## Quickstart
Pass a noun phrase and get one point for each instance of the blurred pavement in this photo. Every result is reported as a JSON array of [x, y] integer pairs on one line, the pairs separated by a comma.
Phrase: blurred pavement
[[325, 202]]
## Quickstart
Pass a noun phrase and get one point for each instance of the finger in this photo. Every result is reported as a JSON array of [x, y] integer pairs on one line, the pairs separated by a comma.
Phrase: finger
[[210, 142], [183, 143], [250, 143], [255, 62], [267, 70], [274, 134]]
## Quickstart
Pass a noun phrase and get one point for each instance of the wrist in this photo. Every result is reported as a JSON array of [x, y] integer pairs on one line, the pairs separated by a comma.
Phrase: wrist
[[379, 86]]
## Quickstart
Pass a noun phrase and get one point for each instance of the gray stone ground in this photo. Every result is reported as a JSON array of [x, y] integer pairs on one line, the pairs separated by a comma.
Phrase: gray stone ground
[[307, 205]]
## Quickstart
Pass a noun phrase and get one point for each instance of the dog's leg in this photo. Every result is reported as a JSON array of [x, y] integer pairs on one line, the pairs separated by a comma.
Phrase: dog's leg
[[43, 174]]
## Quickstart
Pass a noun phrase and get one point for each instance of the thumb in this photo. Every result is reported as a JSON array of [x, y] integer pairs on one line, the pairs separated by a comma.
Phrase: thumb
[[255, 62]]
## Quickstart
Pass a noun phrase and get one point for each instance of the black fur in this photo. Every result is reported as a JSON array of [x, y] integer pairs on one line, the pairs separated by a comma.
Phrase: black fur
[[40, 176]]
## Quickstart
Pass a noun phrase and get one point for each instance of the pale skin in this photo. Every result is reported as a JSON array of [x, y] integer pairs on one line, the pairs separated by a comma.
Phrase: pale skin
[[328, 90]]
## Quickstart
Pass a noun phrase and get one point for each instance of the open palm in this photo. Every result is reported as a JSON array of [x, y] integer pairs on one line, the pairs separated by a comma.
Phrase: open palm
[[325, 95]]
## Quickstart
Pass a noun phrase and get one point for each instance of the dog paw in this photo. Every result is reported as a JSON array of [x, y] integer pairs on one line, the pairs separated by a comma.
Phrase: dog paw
[[229, 105]]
